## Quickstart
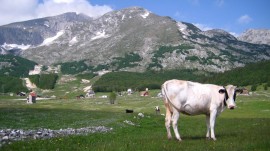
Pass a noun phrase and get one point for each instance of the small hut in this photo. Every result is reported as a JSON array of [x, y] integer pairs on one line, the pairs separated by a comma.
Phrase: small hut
[[144, 93], [90, 94]]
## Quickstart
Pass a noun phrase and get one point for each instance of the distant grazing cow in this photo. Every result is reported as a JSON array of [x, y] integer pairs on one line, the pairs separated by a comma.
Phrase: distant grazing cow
[[157, 110], [129, 111], [80, 96], [193, 98]]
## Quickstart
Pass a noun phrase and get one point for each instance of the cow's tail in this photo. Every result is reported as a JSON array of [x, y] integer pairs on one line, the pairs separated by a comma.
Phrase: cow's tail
[[164, 93], [166, 99], [167, 102]]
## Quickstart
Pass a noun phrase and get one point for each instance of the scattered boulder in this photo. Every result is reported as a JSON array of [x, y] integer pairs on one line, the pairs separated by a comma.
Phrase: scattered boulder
[[9, 135]]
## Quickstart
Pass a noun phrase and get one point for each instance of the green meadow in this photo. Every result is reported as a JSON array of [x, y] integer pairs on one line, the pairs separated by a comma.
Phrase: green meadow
[[245, 128]]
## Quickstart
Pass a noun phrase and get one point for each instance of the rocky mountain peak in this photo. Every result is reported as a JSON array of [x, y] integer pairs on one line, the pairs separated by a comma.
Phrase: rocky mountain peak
[[72, 16], [219, 33], [128, 13], [256, 36]]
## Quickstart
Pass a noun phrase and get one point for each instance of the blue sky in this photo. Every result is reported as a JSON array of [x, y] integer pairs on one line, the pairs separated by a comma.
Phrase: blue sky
[[234, 16]]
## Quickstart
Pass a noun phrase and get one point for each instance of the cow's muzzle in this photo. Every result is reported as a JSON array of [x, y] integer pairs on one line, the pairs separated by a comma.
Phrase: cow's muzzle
[[231, 107]]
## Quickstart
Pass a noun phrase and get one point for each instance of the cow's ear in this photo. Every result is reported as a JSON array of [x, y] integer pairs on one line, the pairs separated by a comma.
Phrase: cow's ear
[[222, 91]]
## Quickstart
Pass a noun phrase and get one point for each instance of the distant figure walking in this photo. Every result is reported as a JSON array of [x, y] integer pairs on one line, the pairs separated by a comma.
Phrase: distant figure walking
[[31, 97]]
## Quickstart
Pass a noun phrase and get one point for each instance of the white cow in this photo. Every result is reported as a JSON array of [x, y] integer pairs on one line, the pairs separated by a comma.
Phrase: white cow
[[193, 98]]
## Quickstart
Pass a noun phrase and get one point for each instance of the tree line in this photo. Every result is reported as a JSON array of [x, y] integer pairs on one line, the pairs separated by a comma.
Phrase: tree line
[[121, 81], [252, 74]]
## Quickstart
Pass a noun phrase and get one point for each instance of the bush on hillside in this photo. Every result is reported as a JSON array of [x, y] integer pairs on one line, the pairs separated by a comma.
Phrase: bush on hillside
[[15, 66], [11, 84], [74, 67], [44, 81]]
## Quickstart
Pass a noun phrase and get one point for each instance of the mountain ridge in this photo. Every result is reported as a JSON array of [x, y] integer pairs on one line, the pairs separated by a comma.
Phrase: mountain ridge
[[131, 39]]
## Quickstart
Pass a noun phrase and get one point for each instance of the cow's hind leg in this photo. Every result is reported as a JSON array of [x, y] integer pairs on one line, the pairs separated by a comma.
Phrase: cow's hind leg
[[175, 118], [168, 121]]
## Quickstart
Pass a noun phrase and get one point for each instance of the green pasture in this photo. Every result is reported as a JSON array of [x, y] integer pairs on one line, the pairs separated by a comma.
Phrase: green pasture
[[245, 128]]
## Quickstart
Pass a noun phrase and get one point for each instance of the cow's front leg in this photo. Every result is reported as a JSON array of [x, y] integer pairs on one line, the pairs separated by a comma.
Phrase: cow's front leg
[[213, 116], [208, 126], [175, 118]]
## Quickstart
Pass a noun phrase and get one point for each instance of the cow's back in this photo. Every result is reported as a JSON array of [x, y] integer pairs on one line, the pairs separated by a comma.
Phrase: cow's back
[[175, 92], [172, 88]]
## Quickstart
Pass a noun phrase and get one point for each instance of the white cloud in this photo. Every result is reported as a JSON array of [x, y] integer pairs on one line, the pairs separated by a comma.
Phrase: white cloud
[[245, 19], [11, 11], [203, 27], [21, 10]]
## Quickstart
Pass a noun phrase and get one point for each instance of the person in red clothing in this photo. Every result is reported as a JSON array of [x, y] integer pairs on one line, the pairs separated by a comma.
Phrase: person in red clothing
[[33, 96]]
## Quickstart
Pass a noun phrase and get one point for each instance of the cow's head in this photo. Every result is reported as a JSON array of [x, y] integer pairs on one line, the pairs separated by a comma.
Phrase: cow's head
[[230, 95]]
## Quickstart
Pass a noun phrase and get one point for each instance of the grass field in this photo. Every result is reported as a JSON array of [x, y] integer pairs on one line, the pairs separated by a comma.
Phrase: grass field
[[245, 128]]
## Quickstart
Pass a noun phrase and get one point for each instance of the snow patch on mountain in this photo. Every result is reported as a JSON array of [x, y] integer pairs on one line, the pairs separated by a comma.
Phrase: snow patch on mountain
[[15, 46], [145, 14], [182, 28], [100, 35], [123, 17], [47, 25], [73, 41], [50, 40]]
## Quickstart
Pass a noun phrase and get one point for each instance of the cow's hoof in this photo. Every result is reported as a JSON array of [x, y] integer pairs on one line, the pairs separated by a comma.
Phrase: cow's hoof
[[214, 139], [208, 138]]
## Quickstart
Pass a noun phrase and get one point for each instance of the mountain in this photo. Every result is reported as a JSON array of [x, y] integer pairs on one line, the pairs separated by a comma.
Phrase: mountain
[[132, 39], [256, 36]]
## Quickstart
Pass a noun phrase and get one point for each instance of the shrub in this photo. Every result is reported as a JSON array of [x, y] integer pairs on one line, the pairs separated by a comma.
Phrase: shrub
[[112, 97], [265, 87], [253, 88]]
